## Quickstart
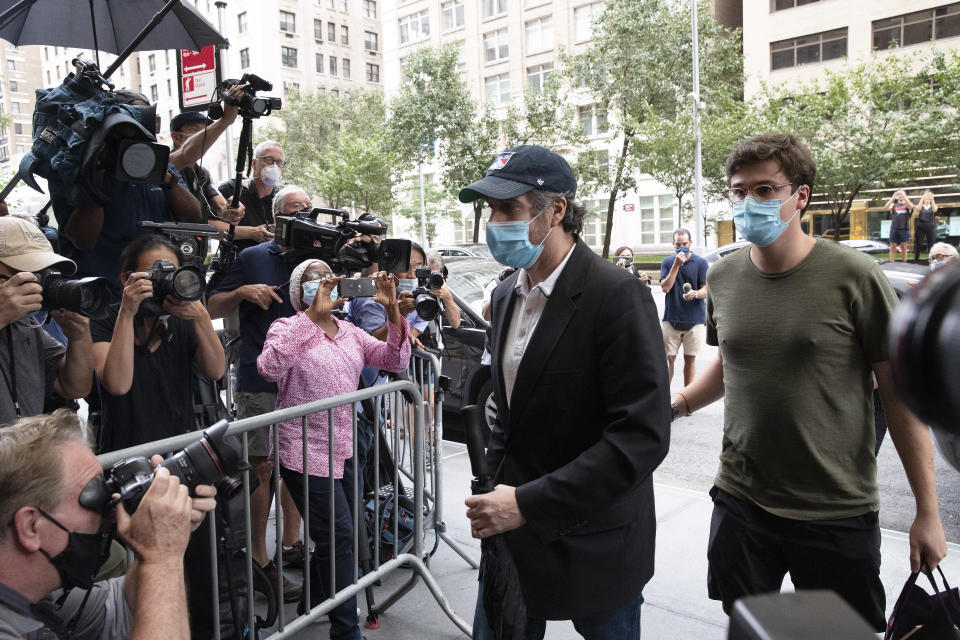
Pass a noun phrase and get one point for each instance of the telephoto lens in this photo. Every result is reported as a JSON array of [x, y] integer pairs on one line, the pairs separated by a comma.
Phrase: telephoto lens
[[185, 283], [87, 296]]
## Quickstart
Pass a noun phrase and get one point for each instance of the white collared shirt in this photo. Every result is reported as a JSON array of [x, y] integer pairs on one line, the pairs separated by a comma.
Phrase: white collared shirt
[[523, 322]]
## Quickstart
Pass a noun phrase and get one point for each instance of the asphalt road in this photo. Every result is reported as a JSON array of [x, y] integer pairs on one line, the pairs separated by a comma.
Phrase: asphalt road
[[695, 446]]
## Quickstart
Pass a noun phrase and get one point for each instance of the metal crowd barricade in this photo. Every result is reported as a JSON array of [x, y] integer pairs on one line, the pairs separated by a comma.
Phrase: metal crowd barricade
[[404, 414]]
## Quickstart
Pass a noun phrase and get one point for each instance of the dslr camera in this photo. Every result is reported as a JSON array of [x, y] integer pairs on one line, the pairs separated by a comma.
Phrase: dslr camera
[[183, 283], [86, 296], [305, 237], [427, 304], [214, 459], [250, 105]]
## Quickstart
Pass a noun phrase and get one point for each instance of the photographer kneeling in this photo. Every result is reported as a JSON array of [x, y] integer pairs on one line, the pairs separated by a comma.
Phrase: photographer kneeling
[[144, 362], [55, 536], [34, 365], [311, 356]]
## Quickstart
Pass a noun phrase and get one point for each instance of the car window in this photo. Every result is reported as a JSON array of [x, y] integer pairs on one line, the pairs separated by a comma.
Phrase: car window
[[469, 282]]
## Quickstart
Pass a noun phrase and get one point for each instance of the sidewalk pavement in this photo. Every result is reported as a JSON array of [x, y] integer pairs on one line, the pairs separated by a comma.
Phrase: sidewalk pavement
[[676, 605]]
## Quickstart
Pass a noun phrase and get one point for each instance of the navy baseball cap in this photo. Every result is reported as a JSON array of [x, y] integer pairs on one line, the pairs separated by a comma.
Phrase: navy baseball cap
[[188, 117], [521, 169]]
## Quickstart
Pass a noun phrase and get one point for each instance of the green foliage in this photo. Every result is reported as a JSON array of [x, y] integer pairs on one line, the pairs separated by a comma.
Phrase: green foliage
[[437, 204], [338, 148]]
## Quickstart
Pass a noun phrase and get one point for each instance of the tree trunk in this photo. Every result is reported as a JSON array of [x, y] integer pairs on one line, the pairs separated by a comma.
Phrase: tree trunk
[[621, 162], [477, 213], [679, 211]]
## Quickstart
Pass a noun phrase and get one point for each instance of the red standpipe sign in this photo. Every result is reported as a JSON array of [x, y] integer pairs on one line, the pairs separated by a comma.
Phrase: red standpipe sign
[[199, 75]]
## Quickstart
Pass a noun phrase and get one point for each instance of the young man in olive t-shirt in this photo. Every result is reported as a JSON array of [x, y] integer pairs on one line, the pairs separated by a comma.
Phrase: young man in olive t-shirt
[[801, 325]]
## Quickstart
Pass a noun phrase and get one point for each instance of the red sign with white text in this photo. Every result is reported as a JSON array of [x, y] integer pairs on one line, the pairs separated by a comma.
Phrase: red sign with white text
[[199, 75]]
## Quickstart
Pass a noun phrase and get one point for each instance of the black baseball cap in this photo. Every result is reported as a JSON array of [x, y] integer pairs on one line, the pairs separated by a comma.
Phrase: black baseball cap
[[521, 169], [188, 117]]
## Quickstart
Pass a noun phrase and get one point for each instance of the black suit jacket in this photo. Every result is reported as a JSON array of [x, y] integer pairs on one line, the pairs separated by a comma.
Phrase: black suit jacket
[[588, 423]]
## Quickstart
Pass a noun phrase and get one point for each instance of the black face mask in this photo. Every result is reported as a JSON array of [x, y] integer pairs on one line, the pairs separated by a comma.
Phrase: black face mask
[[79, 562]]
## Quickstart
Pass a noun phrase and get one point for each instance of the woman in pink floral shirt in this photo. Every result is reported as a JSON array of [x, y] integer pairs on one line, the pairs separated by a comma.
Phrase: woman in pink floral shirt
[[310, 356]]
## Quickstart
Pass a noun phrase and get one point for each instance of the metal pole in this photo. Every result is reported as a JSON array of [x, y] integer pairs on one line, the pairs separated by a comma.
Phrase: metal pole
[[423, 211], [222, 61], [697, 105]]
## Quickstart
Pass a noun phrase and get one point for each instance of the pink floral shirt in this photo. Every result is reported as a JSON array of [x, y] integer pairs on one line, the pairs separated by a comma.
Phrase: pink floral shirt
[[308, 365]]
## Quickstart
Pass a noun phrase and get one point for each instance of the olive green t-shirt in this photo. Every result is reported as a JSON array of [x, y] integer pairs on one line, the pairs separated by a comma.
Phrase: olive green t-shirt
[[798, 434]]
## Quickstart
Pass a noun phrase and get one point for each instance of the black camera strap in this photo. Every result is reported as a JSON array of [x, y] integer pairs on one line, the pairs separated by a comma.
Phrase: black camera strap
[[12, 379]]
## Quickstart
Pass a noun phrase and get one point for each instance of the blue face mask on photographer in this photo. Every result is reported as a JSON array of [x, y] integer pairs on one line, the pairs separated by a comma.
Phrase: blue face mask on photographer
[[310, 289], [406, 284], [759, 221], [510, 245]]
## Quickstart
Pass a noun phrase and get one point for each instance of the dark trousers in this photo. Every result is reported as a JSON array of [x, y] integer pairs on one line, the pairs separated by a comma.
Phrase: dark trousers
[[928, 232], [751, 550], [344, 623]]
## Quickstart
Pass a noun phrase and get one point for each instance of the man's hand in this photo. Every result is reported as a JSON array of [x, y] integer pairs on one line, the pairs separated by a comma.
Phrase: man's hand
[[443, 293], [262, 295], [192, 310], [681, 258], [693, 294], [204, 498], [927, 541], [19, 296], [74, 325], [138, 288], [233, 215], [494, 512], [159, 530], [260, 234], [230, 107]]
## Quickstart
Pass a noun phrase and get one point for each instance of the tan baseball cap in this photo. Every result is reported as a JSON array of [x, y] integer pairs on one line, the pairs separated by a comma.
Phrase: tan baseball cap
[[24, 247]]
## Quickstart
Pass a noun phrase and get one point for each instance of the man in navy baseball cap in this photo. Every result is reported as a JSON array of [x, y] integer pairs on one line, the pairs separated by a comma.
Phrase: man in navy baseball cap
[[520, 169]]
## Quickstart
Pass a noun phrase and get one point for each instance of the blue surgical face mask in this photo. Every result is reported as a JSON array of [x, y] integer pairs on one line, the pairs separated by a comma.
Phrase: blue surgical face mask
[[936, 265], [406, 284], [683, 250], [759, 221], [510, 245], [310, 289]]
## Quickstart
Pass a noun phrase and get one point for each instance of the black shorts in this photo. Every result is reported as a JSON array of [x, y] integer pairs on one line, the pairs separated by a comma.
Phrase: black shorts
[[751, 550]]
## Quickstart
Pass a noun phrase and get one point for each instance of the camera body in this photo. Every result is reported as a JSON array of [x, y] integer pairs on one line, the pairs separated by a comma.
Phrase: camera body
[[427, 304], [624, 262], [86, 296], [183, 283], [251, 106], [214, 459], [192, 238], [305, 237]]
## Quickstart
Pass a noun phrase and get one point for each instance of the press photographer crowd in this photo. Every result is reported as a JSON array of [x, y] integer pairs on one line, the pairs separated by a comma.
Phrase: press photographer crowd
[[110, 312]]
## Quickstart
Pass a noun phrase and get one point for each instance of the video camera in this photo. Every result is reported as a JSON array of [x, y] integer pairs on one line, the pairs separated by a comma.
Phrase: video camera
[[184, 283], [214, 459], [250, 105], [192, 239], [305, 237], [427, 304], [86, 296]]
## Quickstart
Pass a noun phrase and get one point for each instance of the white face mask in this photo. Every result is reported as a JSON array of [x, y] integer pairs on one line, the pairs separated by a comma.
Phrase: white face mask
[[270, 175]]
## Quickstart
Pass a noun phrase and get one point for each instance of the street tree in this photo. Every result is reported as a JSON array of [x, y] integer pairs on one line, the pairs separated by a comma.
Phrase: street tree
[[637, 67]]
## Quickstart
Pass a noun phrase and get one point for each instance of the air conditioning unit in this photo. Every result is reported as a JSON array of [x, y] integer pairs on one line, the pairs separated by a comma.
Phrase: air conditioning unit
[[288, 34]]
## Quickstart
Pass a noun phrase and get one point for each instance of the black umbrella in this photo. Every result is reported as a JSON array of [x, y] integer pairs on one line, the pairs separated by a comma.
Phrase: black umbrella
[[502, 597], [70, 23]]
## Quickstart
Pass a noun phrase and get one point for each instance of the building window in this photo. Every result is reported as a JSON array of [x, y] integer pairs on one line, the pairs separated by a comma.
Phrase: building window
[[415, 27], [166, 59], [808, 49], [496, 46], [780, 5], [154, 93], [345, 66], [494, 8], [318, 30], [49, 78], [593, 119], [540, 35], [290, 86], [657, 219], [18, 128], [344, 6], [331, 32], [498, 90], [242, 22], [13, 85], [169, 88], [461, 55], [918, 27], [288, 22], [15, 107], [319, 62], [369, 8], [452, 13], [583, 18], [537, 76], [335, 93], [331, 4], [344, 34], [4, 153], [288, 57], [244, 58], [46, 53], [333, 65], [373, 72], [370, 41]]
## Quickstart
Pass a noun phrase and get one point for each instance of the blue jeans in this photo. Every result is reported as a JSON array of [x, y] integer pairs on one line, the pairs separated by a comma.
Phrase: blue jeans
[[621, 624], [344, 623]]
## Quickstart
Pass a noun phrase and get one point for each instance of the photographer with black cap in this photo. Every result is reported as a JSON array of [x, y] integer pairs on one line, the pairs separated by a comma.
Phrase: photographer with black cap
[[33, 365], [57, 523], [193, 133]]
